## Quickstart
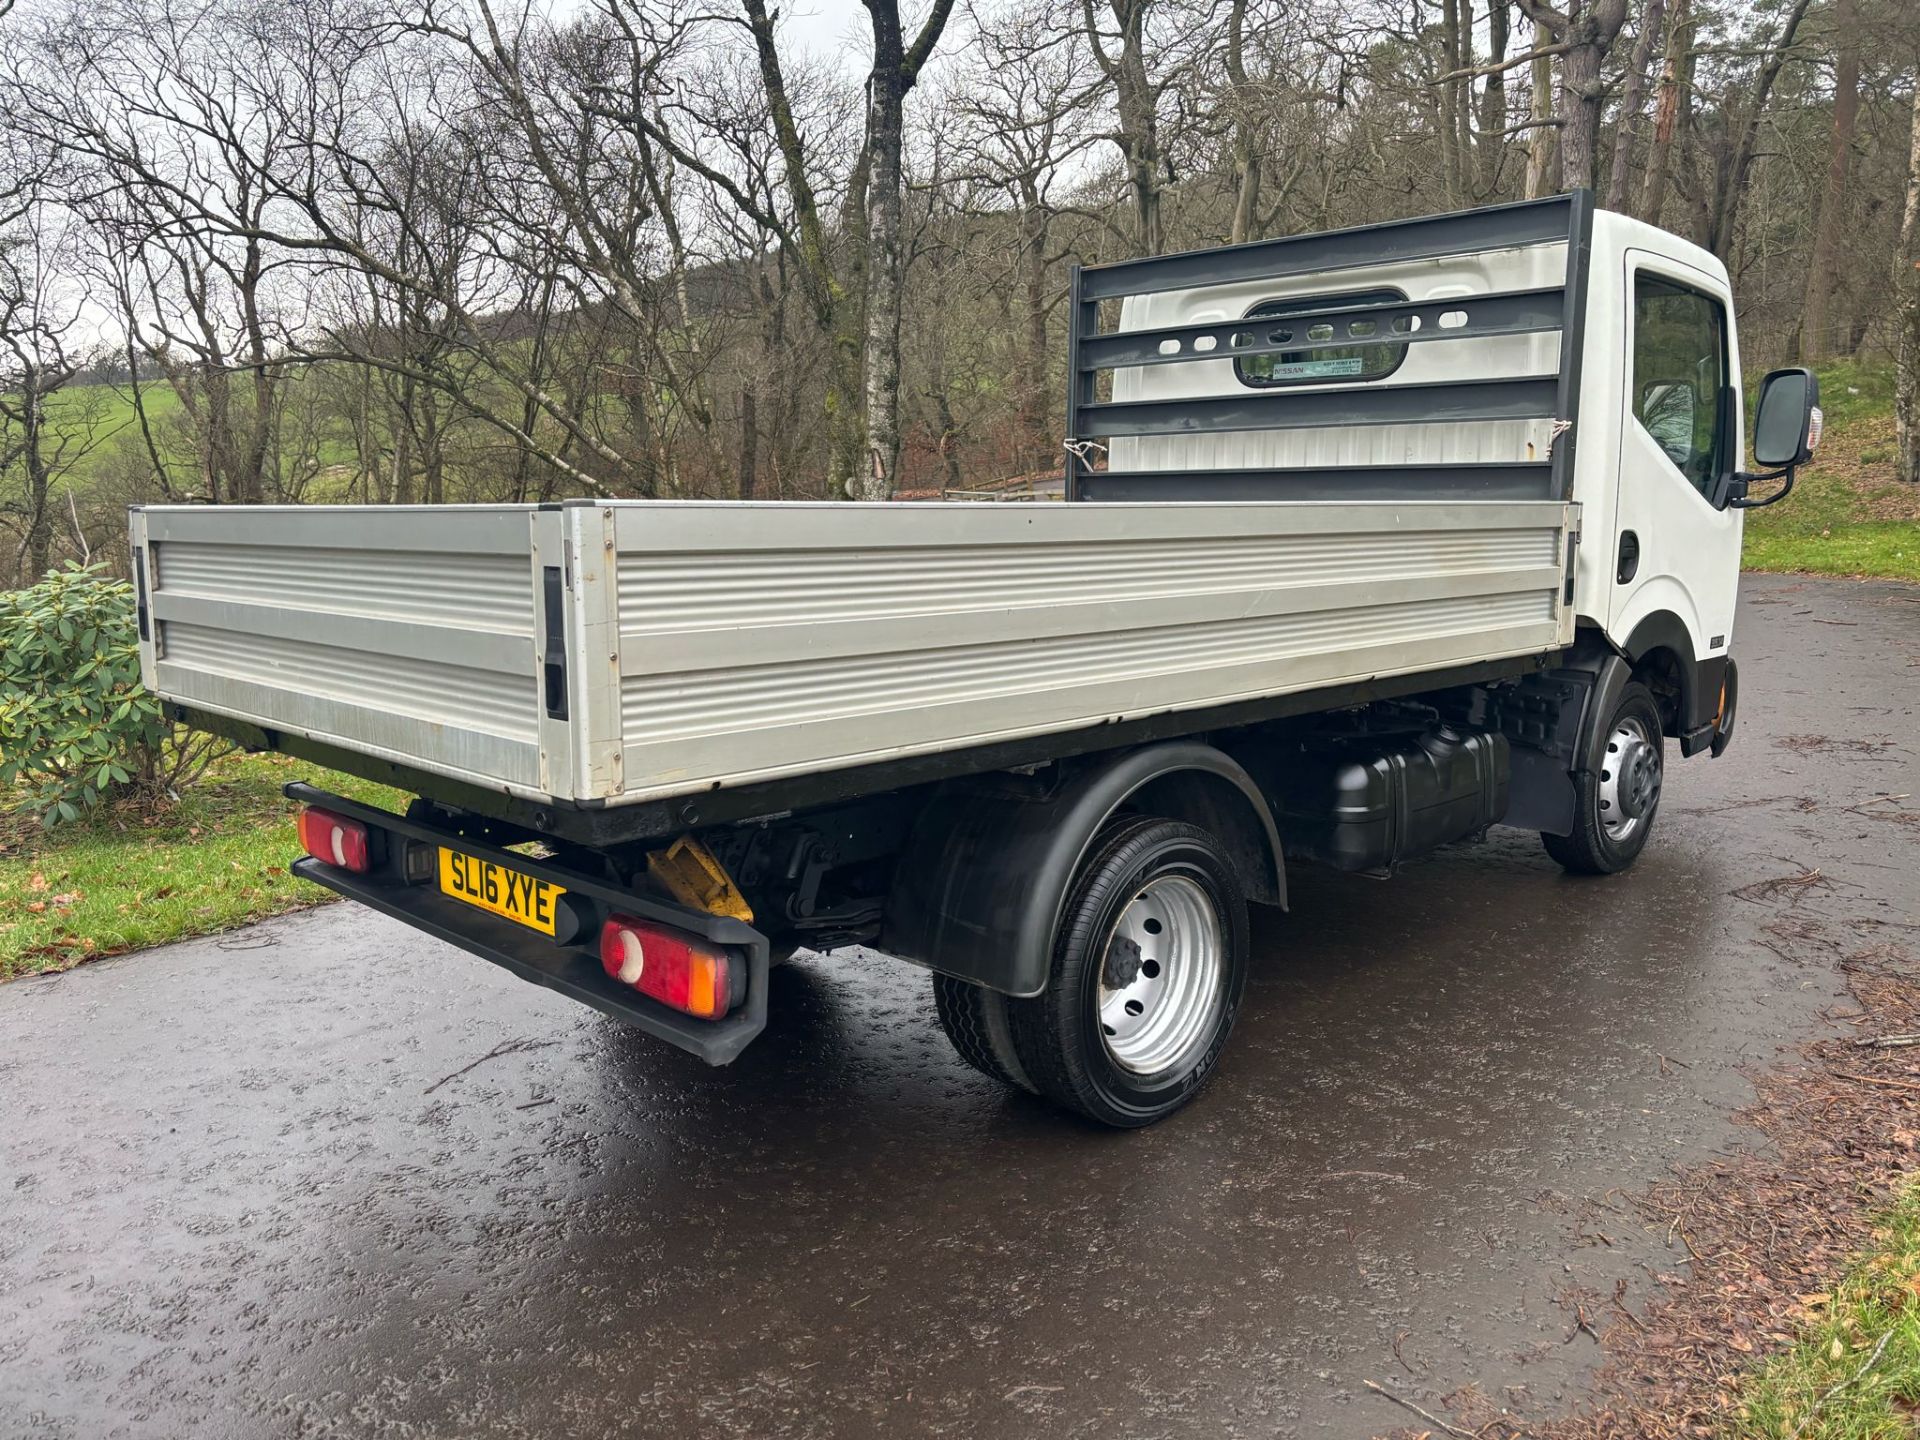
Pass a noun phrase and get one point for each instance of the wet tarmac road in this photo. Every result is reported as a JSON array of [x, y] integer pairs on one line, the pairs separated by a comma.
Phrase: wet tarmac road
[[326, 1177]]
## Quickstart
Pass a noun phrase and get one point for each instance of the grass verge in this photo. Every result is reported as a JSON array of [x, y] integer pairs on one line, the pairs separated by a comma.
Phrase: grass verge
[[1854, 1373], [1849, 514], [122, 881]]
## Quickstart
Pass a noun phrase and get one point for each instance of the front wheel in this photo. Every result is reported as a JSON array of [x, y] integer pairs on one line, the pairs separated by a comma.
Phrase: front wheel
[[1149, 965], [1617, 794]]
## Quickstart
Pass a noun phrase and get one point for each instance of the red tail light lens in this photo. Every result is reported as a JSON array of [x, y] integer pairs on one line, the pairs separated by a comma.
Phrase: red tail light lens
[[675, 969], [335, 840]]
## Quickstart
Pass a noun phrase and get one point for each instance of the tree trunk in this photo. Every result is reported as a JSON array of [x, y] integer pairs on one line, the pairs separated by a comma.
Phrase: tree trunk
[[1906, 400], [1579, 115], [401, 492], [747, 477], [1492, 144], [1246, 150], [886, 96], [249, 484], [432, 452], [39, 547], [1816, 321], [1584, 33], [1452, 160], [1676, 71], [895, 70], [949, 432], [1631, 98], [826, 294], [1140, 126], [1591, 34], [1036, 451], [1136, 107], [1542, 140]]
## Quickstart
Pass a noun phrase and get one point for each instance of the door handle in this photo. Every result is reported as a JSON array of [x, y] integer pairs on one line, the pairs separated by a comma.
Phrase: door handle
[[1629, 557]]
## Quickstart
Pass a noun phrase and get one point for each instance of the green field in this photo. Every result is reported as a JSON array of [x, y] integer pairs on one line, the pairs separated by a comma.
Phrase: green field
[[99, 429]]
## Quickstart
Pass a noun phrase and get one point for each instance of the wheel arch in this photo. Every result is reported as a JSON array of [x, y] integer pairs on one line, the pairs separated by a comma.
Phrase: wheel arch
[[1687, 686], [978, 890], [1660, 650]]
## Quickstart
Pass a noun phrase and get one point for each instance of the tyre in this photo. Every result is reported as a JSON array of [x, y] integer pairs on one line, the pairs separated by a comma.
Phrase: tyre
[[1149, 964], [1617, 794], [976, 1021]]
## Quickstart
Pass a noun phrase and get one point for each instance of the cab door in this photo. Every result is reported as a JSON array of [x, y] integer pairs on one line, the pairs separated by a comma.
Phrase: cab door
[[1676, 544]]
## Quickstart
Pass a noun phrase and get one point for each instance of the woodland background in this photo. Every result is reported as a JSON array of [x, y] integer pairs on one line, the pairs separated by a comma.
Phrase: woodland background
[[402, 251]]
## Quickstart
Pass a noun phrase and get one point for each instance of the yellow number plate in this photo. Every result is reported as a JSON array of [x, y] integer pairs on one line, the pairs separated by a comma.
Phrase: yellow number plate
[[496, 888]]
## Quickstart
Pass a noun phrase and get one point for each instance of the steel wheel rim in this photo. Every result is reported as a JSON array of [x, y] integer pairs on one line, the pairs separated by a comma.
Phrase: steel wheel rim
[[1630, 778], [1160, 977]]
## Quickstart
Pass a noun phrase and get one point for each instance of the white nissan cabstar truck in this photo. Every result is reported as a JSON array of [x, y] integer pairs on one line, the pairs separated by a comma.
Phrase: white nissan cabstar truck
[[1371, 540]]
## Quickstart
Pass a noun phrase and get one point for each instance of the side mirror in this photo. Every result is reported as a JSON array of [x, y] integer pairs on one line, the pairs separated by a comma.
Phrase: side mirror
[[1786, 431], [1786, 419]]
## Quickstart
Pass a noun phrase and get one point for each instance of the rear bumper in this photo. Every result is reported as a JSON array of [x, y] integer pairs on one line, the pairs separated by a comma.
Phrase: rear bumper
[[573, 970]]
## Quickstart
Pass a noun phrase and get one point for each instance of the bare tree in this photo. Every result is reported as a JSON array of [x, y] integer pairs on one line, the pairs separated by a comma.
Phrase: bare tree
[[1906, 284], [1744, 117], [1632, 96], [896, 70], [1583, 34], [42, 352], [1023, 124], [1670, 103], [1140, 63], [1816, 329], [463, 249]]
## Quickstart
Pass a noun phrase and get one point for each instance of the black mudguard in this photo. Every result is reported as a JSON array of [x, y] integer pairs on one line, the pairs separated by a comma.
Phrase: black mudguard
[[1541, 787], [979, 888]]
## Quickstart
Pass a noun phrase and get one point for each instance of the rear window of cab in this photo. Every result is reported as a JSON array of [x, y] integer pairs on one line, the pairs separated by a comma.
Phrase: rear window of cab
[[1323, 361]]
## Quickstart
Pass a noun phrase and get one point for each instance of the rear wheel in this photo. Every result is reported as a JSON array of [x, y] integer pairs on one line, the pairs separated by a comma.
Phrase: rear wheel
[[1149, 965], [1617, 795]]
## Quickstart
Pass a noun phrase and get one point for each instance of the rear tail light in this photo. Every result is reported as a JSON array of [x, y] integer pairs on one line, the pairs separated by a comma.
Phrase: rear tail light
[[335, 840], [675, 969]]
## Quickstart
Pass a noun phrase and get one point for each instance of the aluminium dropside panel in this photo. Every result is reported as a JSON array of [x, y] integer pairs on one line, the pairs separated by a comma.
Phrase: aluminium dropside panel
[[410, 633], [761, 641]]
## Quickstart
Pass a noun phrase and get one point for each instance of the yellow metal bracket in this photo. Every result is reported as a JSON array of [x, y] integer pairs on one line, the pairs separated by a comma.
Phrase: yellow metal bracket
[[694, 876]]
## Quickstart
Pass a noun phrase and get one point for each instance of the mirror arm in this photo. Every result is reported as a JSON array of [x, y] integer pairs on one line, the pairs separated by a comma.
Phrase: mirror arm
[[1739, 484]]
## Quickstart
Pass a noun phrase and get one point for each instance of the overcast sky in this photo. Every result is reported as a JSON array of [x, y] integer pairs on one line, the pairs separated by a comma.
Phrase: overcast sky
[[826, 29], [832, 29]]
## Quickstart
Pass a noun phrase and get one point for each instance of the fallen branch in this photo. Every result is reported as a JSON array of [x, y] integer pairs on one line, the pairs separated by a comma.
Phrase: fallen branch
[[1762, 889], [1839, 1385], [1426, 1415], [1874, 1080], [506, 1047]]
